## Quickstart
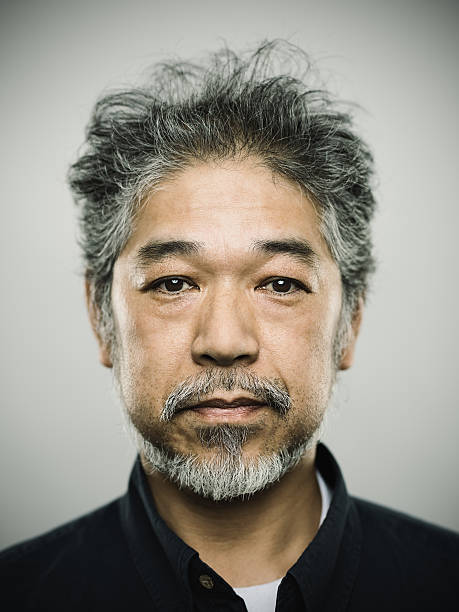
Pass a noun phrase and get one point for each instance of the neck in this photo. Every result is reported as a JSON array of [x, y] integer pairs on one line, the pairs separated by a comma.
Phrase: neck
[[251, 541]]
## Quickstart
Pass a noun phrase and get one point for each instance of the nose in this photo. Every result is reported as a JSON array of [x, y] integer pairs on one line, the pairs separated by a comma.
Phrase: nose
[[226, 331]]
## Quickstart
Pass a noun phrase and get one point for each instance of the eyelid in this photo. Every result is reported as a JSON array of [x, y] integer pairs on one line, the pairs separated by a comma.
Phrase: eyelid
[[299, 285], [157, 282]]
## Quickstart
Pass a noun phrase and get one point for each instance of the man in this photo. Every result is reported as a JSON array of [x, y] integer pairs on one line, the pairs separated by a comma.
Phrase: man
[[225, 226]]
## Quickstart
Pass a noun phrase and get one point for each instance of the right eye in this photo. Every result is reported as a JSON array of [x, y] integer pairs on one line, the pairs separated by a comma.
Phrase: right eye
[[172, 284]]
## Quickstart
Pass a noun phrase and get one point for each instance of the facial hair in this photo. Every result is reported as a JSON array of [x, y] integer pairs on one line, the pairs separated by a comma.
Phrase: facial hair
[[225, 473]]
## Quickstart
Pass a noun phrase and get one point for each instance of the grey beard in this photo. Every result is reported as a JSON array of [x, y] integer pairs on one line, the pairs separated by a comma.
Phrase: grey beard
[[225, 475]]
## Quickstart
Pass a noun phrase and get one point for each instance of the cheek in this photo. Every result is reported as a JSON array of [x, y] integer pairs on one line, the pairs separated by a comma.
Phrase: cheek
[[301, 345], [150, 355], [308, 371], [303, 358]]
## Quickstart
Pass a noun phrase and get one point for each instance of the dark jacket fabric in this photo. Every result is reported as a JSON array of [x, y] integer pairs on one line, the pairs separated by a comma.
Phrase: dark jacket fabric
[[364, 558]]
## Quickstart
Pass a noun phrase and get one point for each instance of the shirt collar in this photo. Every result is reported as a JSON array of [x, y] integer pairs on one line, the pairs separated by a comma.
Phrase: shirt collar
[[329, 562]]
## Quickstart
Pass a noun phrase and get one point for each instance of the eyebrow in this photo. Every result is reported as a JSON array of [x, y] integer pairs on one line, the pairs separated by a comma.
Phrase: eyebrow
[[299, 249], [156, 251]]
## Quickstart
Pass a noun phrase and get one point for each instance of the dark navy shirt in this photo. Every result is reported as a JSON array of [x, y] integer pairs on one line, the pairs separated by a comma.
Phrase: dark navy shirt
[[124, 557]]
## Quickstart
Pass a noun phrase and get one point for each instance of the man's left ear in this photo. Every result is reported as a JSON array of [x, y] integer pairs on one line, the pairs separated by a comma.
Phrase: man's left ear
[[347, 356]]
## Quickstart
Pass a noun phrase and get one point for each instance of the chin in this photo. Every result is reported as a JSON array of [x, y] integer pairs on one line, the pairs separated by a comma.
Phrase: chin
[[221, 473]]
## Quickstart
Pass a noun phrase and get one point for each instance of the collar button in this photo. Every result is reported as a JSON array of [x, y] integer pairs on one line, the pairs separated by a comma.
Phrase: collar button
[[206, 581]]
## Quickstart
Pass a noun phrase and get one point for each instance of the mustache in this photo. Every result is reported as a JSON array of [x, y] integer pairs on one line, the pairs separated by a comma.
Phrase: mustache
[[194, 389]]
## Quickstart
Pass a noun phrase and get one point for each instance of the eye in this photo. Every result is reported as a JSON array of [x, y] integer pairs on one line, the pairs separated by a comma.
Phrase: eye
[[173, 284], [284, 286]]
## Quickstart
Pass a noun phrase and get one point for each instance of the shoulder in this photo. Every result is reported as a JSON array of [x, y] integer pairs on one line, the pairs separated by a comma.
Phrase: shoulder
[[66, 563], [401, 553], [379, 521], [85, 532]]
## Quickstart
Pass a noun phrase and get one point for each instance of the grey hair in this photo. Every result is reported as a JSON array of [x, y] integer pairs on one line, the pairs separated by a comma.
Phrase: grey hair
[[225, 475], [194, 388], [260, 104]]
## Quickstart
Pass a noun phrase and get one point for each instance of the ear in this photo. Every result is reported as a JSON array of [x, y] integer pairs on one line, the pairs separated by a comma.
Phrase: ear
[[347, 357], [94, 317]]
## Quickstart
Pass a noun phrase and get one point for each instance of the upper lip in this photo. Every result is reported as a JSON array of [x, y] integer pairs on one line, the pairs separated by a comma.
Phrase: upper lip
[[216, 402]]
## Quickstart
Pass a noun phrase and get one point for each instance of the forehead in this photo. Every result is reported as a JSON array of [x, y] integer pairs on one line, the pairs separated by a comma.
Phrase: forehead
[[227, 206]]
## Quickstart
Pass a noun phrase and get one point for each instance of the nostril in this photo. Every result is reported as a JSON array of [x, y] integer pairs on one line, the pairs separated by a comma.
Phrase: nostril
[[225, 359], [208, 357]]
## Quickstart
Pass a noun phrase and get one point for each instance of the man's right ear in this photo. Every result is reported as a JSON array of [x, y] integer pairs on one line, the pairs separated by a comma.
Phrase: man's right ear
[[94, 317]]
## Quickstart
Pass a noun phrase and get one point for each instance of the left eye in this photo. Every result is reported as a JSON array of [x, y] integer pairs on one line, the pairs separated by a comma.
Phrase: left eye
[[171, 285], [282, 285]]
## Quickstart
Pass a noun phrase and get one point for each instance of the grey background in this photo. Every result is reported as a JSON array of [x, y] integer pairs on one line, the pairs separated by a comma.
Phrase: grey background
[[394, 423]]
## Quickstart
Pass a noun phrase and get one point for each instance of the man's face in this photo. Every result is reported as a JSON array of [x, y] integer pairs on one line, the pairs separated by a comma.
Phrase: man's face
[[225, 271]]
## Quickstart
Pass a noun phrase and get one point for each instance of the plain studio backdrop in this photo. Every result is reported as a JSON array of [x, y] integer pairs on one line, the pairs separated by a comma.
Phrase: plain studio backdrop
[[394, 423]]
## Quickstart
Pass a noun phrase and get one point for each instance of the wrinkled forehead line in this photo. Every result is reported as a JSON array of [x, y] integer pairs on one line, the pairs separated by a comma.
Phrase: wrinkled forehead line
[[245, 164], [237, 163]]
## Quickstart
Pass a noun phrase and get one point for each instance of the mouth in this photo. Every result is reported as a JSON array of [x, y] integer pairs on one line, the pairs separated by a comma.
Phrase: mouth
[[217, 409]]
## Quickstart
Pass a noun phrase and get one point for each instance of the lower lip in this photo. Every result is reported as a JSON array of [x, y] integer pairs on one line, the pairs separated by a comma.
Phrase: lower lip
[[238, 413]]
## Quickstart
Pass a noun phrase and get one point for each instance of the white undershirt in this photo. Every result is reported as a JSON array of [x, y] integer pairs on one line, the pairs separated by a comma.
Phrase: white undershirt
[[262, 597]]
